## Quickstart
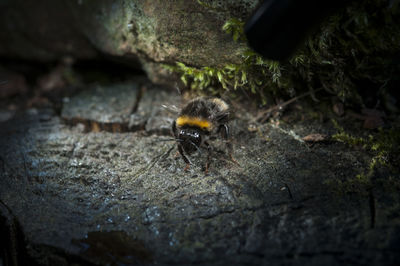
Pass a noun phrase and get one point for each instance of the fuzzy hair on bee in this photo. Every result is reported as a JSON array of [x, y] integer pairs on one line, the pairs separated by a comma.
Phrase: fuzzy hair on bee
[[200, 119]]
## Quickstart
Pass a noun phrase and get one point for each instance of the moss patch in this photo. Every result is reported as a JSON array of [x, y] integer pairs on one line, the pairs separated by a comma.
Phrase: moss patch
[[384, 147], [353, 47]]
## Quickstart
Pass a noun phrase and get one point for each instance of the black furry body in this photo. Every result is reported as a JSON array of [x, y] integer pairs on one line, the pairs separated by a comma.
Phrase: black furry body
[[199, 119]]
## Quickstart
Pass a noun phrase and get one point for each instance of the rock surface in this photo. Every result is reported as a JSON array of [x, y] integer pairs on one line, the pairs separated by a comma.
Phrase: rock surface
[[149, 32], [102, 104], [68, 196]]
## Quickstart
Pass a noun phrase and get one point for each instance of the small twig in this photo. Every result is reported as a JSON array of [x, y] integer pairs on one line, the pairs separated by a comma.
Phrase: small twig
[[265, 114], [288, 189]]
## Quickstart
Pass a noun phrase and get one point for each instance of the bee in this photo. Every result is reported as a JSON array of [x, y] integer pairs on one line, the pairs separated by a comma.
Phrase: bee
[[199, 120]]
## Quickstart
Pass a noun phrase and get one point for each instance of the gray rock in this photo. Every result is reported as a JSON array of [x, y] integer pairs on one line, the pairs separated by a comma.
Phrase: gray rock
[[124, 198], [102, 104], [123, 107], [145, 32]]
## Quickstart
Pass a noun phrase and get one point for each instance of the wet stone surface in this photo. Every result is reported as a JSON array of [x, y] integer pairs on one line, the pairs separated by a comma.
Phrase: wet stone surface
[[104, 105], [124, 198]]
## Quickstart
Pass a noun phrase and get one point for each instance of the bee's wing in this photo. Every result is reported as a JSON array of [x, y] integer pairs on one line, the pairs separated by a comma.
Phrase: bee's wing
[[170, 108], [223, 117]]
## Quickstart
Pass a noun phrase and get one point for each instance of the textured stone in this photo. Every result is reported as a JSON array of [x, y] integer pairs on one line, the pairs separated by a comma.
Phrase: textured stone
[[124, 198], [124, 107], [102, 104], [149, 32]]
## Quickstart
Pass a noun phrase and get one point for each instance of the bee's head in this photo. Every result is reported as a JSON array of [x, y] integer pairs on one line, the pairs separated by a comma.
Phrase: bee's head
[[190, 139]]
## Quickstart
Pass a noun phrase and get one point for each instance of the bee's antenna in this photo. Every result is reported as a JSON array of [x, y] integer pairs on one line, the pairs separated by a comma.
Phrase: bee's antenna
[[170, 108], [195, 145], [171, 139], [177, 88]]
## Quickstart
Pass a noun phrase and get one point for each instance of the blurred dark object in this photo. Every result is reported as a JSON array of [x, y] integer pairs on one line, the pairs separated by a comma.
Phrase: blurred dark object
[[12, 83], [277, 27]]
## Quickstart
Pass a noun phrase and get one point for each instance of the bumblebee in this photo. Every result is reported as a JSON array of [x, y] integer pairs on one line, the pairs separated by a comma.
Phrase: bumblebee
[[201, 119]]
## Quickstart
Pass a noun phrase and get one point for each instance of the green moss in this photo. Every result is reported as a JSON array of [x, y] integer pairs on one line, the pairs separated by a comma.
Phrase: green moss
[[344, 137], [254, 75], [384, 148], [236, 28], [356, 45]]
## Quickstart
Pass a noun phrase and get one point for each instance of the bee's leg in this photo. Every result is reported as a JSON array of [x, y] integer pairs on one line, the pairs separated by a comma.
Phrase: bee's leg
[[180, 149], [224, 131], [187, 161], [209, 149], [174, 130]]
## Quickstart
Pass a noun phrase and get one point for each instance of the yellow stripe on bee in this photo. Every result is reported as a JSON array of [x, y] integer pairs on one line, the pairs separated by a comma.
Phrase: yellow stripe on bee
[[192, 121]]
